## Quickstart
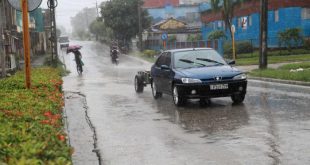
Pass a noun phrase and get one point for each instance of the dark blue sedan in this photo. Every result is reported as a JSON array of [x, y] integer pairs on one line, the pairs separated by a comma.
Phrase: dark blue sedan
[[199, 73]]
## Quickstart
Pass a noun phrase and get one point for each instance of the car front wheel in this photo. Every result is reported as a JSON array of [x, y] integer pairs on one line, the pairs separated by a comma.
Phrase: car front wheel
[[238, 98], [155, 93], [177, 99]]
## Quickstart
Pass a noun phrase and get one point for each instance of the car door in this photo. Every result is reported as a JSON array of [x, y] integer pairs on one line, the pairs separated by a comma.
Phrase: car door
[[167, 73], [157, 72]]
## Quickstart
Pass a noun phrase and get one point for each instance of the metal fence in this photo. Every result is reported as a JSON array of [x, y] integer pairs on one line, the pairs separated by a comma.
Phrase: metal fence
[[252, 45], [159, 45]]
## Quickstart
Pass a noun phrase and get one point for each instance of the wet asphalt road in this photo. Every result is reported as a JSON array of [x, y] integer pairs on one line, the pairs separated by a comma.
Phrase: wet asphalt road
[[271, 127]]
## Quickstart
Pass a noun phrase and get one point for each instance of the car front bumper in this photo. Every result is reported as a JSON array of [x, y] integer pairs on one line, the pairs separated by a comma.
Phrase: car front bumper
[[192, 91]]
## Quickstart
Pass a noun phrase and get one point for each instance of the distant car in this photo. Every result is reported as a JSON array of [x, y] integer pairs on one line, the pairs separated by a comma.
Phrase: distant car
[[63, 41], [199, 73]]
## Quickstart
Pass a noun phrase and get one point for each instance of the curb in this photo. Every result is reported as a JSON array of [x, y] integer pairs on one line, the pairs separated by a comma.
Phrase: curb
[[280, 81]]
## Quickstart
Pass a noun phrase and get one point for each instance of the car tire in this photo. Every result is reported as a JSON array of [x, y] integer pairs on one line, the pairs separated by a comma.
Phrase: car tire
[[139, 84], [238, 98], [155, 93], [177, 99], [204, 102]]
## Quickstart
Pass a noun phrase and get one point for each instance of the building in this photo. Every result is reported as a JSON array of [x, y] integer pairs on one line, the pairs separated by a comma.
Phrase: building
[[163, 9], [11, 43], [36, 27], [282, 15], [9, 40]]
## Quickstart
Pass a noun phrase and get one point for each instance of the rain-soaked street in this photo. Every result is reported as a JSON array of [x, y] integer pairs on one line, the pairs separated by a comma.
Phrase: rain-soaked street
[[271, 127]]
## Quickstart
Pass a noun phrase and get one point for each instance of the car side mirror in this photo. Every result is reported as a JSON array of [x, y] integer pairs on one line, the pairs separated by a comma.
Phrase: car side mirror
[[164, 67], [231, 62]]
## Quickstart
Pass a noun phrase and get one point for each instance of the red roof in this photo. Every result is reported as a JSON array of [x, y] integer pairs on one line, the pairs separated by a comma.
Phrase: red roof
[[160, 3]]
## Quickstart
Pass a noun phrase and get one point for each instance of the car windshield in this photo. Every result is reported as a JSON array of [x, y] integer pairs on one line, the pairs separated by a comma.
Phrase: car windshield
[[197, 58], [63, 39]]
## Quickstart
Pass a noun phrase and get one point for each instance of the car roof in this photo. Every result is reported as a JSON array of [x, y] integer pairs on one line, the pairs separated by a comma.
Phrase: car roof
[[187, 49]]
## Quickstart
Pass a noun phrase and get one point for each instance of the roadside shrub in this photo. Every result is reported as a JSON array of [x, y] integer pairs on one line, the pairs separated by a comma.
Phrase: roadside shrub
[[244, 47], [290, 38], [228, 49], [217, 34], [172, 38], [194, 37], [307, 44], [31, 128], [149, 53]]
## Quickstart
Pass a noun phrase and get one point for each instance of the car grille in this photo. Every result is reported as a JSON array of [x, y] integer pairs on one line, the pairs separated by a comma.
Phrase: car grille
[[204, 89]]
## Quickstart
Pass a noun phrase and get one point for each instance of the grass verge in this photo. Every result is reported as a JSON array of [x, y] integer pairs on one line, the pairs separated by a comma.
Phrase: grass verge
[[274, 59], [286, 72], [143, 56], [31, 128]]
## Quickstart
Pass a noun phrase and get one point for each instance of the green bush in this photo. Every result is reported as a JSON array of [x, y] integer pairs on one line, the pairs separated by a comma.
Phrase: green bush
[[307, 44], [290, 38], [31, 128], [149, 53], [228, 49], [244, 47], [217, 34]]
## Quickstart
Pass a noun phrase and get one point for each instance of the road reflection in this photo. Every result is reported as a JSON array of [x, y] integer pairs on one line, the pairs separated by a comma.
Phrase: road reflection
[[219, 115]]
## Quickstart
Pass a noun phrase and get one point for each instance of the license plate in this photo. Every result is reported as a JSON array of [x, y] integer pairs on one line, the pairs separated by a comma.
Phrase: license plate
[[218, 86]]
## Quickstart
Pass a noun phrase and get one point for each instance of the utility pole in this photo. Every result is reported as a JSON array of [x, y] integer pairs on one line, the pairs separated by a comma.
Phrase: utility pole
[[97, 9], [140, 27], [2, 38], [52, 4], [2, 54], [263, 34]]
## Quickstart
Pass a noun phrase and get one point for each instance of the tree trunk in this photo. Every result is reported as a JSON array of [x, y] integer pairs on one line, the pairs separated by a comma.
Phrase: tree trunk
[[263, 34]]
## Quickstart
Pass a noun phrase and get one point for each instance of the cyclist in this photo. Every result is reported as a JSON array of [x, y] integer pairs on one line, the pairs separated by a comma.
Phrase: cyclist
[[78, 59]]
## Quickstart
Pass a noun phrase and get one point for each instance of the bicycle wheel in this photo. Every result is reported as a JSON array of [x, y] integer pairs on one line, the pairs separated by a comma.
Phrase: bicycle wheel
[[79, 69]]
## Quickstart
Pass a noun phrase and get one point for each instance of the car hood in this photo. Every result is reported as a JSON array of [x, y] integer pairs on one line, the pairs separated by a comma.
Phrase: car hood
[[205, 73]]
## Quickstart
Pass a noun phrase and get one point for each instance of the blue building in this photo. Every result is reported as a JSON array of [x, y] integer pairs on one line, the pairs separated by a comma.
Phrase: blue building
[[282, 15]]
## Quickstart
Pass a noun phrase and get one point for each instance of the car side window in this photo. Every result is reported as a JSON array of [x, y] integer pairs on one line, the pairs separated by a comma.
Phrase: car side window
[[161, 60], [167, 59]]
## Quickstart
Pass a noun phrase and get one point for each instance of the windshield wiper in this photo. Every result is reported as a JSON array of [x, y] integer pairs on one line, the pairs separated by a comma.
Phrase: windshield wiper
[[191, 62], [209, 60]]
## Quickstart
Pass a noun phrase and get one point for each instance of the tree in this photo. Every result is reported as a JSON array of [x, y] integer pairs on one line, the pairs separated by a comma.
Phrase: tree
[[99, 29], [289, 36], [81, 21], [226, 7], [263, 34], [122, 17], [217, 34]]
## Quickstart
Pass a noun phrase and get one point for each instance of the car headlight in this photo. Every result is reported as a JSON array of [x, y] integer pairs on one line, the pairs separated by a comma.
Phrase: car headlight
[[190, 80], [240, 77]]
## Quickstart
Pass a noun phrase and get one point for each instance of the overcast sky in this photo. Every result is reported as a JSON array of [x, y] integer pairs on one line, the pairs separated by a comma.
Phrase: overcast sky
[[69, 8]]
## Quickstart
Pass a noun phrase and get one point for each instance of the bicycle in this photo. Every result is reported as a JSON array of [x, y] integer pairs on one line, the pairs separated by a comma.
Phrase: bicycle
[[79, 66]]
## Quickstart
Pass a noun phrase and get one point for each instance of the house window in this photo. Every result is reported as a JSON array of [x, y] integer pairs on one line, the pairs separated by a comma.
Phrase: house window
[[239, 22], [276, 15], [305, 13], [244, 23], [250, 20], [219, 24]]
